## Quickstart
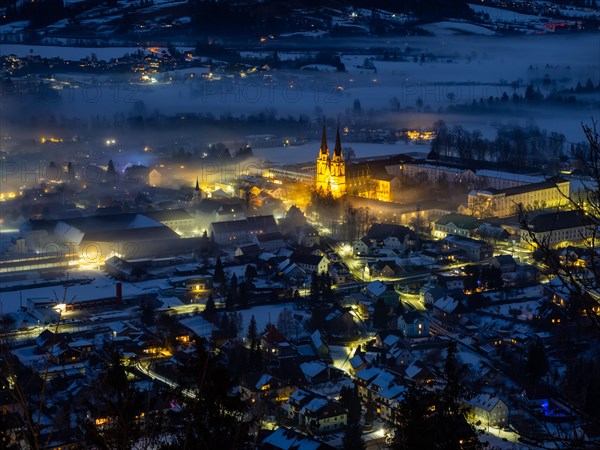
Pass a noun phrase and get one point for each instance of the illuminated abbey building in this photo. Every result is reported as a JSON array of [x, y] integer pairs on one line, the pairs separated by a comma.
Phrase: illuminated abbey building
[[331, 172], [365, 177]]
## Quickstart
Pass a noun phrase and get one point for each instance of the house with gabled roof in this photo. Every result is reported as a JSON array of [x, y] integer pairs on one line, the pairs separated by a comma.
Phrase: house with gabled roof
[[315, 413], [317, 372], [413, 324], [243, 230], [388, 340], [256, 386], [247, 251], [310, 263], [381, 386], [401, 355], [318, 344], [271, 340], [506, 263], [383, 269], [447, 308], [340, 274], [286, 439], [362, 246], [357, 362], [418, 371], [393, 236], [377, 290], [429, 293], [489, 409], [455, 224], [294, 274], [269, 241]]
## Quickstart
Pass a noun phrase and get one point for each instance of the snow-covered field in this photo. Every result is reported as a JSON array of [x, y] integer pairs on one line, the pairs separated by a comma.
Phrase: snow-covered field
[[451, 28], [504, 15]]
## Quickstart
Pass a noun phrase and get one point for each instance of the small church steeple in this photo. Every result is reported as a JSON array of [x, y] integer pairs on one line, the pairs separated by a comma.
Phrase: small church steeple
[[197, 193]]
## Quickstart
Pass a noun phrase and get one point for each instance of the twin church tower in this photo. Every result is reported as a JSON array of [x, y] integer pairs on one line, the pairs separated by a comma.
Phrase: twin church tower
[[331, 171]]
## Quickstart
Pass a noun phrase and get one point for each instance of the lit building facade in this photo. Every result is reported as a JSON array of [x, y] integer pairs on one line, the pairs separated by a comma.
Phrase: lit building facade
[[366, 177], [331, 171], [506, 202]]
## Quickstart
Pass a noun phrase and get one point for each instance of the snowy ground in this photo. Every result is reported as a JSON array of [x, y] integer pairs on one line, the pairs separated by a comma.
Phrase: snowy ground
[[452, 28]]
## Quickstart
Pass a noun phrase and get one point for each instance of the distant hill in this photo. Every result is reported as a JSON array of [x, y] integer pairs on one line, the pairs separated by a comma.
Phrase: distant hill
[[151, 19], [134, 21]]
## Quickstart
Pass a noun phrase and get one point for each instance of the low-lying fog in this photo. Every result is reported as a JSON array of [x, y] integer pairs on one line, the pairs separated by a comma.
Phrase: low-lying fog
[[412, 92]]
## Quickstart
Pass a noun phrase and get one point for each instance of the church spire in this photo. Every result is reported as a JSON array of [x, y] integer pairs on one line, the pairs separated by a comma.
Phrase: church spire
[[324, 149], [337, 150], [197, 193]]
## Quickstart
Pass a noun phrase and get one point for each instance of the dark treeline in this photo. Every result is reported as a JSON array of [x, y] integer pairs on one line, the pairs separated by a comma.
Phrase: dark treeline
[[531, 96], [514, 145], [141, 119]]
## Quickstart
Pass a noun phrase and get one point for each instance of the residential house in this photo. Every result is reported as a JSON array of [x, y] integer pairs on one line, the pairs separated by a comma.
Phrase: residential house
[[382, 386], [357, 362], [339, 322], [285, 439], [269, 242], [429, 293], [316, 413], [155, 178], [310, 263], [474, 249], [446, 309], [417, 371], [340, 273], [490, 410], [383, 269], [319, 346], [505, 263], [309, 236], [413, 324], [294, 274], [362, 246], [393, 236], [450, 282], [272, 340], [362, 302], [455, 224], [255, 386], [243, 230], [317, 372], [401, 355], [377, 290], [248, 251]]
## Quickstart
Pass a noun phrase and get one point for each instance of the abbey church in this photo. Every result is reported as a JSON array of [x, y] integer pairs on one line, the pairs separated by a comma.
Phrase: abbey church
[[364, 177], [331, 172]]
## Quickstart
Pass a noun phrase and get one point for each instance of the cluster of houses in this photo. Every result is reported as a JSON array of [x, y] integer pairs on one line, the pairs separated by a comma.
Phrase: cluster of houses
[[430, 290]]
